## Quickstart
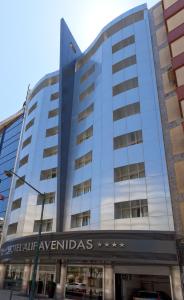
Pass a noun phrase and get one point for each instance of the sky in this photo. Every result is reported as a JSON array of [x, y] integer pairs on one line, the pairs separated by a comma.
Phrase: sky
[[30, 34]]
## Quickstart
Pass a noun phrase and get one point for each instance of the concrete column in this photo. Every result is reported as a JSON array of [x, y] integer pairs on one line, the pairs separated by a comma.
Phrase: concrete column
[[26, 278], [176, 283], [2, 275], [60, 288], [108, 282]]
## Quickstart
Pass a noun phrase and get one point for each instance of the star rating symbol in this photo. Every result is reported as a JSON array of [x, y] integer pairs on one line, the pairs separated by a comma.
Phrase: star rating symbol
[[112, 244]]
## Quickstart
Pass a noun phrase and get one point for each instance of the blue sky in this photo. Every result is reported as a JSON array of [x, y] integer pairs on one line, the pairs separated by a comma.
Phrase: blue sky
[[30, 30]]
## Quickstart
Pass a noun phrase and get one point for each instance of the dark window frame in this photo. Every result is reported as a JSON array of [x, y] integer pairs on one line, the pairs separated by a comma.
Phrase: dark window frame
[[128, 139], [30, 124], [23, 161], [126, 111], [12, 228], [123, 43], [129, 172], [131, 209], [124, 86], [16, 204]]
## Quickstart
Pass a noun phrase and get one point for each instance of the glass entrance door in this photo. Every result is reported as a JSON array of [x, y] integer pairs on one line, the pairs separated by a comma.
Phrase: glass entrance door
[[46, 275], [44, 279]]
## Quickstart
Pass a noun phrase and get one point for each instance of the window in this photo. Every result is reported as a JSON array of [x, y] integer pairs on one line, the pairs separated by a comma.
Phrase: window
[[177, 46], [83, 160], [43, 84], [85, 76], [32, 108], [26, 142], [85, 135], [133, 18], [14, 125], [168, 3], [129, 172], [29, 124], [48, 174], [180, 76], [124, 43], [49, 198], [20, 181], [12, 228], [16, 204], [125, 86], [87, 92], [54, 96], [82, 188], [51, 131], [131, 209], [50, 151], [126, 111], [171, 76], [9, 134], [175, 21], [80, 220], [53, 113], [86, 112], [46, 225], [125, 63], [10, 140], [128, 139], [23, 161]]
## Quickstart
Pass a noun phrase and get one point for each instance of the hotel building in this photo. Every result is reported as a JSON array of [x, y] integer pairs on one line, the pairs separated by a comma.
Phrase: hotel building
[[103, 139]]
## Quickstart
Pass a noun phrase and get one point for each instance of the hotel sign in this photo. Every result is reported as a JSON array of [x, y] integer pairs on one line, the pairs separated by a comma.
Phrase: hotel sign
[[93, 245], [59, 245]]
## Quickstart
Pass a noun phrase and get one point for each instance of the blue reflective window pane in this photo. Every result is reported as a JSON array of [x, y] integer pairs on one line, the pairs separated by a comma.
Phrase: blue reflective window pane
[[9, 149], [5, 193], [3, 205], [18, 122], [9, 134], [9, 140], [7, 157], [5, 184], [13, 139], [7, 165]]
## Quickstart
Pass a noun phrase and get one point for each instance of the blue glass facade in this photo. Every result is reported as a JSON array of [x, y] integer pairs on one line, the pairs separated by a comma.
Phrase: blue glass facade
[[9, 140]]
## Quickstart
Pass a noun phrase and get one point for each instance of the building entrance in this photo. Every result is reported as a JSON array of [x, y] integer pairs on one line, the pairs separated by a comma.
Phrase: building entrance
[[46, 275]]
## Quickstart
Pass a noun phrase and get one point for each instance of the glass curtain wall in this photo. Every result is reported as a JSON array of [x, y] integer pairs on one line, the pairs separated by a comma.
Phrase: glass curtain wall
[[9, 139]]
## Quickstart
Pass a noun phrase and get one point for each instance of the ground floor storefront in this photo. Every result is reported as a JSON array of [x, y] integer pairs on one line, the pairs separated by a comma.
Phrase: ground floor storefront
[[95, 265]]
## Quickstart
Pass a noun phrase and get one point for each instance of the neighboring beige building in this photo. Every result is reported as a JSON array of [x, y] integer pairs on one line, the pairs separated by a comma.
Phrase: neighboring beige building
[[168, 36]]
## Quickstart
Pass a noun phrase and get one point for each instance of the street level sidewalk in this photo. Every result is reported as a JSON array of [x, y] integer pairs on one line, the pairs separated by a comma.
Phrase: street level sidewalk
[[5, 295]]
